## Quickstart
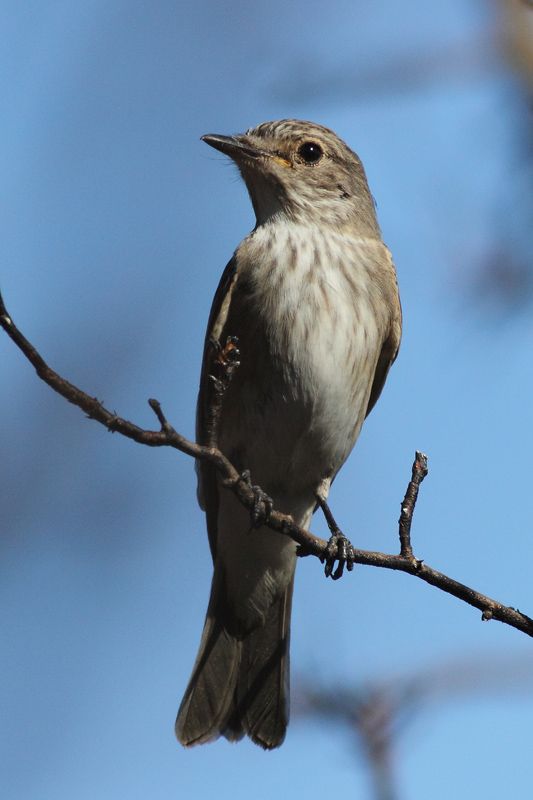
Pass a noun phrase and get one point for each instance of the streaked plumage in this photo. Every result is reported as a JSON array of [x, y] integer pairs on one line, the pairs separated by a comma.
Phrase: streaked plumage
[[311, 294]]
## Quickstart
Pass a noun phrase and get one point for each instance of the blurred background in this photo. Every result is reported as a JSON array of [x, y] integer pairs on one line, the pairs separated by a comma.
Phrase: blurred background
[[116, 222]]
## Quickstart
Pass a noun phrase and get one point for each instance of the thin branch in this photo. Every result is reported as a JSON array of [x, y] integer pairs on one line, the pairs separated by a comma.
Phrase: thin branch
[[419, 472], [167, 436]]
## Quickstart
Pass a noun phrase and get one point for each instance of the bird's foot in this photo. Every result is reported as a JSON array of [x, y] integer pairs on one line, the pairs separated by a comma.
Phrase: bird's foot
[[263, 504], [339, 549]]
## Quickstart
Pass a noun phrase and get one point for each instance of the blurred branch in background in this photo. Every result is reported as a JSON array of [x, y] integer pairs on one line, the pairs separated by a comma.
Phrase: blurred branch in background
[[517, 37], [497, 272], [503, 275], [376, 715], [374, 76]]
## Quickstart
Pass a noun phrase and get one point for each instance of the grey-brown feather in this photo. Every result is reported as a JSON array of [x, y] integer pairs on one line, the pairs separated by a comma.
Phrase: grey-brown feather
[[240, 680], [207, 701]]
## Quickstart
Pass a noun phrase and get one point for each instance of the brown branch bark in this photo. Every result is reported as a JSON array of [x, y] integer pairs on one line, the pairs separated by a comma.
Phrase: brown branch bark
[[167, 436], [419, 472]]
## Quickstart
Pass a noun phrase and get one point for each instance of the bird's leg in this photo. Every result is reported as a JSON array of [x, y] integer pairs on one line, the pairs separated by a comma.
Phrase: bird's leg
[[339, 548], [263, 504]]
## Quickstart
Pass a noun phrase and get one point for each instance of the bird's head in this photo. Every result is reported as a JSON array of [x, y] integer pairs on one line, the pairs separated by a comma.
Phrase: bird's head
[[303, 172]]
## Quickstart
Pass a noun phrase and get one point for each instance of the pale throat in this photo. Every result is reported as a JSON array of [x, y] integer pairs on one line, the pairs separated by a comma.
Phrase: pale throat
[[303, 205]]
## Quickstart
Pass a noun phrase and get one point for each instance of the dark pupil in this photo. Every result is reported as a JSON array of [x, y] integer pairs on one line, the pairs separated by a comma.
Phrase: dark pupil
[[310, 152]]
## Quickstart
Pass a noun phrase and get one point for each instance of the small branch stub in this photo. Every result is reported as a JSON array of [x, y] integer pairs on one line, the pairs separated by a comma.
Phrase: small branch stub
[[224, 365], [418, 473]]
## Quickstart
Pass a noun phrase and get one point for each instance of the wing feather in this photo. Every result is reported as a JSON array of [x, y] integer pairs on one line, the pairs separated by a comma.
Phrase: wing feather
[[207, 482]]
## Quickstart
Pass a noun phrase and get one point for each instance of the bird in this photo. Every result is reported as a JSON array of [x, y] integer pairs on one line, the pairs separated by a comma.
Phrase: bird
[[309, 305]]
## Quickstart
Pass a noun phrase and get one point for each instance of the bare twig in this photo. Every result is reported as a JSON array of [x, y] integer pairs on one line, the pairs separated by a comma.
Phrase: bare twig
[[233, 480], [420, 470]]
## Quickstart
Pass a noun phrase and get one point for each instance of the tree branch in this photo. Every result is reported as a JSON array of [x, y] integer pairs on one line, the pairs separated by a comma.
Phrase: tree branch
[[309, 544]]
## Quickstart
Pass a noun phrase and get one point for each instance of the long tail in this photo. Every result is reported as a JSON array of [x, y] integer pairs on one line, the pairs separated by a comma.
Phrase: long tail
[[240, 682]]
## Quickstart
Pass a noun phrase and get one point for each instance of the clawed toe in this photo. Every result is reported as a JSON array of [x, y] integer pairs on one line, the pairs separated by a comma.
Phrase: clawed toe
[[263, 503], [339, 549]]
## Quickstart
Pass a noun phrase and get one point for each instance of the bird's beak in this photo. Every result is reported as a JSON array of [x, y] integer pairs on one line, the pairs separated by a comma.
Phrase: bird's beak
[[240, 148], [235, 147]]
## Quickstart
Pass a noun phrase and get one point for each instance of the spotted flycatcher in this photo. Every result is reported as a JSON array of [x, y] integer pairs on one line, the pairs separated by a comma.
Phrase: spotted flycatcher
[[311, 296]]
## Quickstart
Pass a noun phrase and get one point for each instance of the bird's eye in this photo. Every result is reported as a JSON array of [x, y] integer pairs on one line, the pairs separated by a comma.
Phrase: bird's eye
[[310, 152]]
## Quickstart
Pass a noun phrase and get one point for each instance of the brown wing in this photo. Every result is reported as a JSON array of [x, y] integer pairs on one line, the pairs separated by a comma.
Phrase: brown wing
[[386, 359], [207, 483]]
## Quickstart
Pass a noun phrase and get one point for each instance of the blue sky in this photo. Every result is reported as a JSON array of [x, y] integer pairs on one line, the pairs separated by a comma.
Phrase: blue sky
[[116, 222]]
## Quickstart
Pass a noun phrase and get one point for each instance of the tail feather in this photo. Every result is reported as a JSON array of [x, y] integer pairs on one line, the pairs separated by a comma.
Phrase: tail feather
[[263, 685], [208, 699], [240, 683]]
